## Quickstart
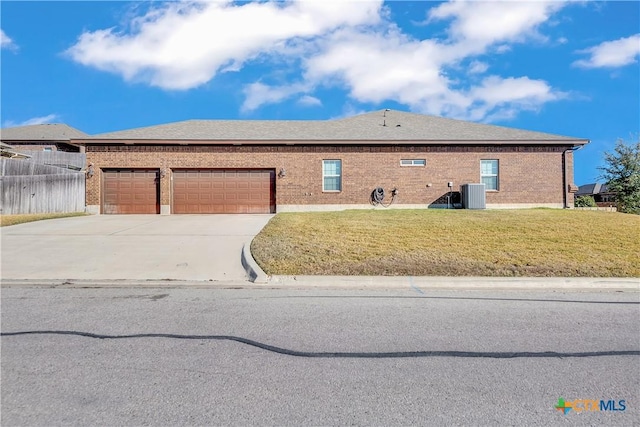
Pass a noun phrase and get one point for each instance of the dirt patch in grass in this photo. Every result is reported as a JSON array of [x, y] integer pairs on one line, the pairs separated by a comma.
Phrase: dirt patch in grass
[[6, 220], [535, 242]]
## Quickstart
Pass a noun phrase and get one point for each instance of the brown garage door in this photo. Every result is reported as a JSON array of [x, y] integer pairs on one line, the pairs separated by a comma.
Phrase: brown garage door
[[223, 191], [131, 191]]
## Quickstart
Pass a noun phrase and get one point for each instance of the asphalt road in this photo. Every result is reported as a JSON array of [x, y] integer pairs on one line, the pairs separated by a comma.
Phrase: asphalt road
[[143, 356]]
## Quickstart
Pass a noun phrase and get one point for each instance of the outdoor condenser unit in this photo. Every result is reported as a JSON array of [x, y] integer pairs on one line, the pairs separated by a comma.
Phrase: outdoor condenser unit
[[473, 196]]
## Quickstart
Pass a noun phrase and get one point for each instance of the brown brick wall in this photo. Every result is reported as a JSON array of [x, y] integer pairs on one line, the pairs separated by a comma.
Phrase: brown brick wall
[[33, 147], [570, 184], [528, 174], [40, 146]]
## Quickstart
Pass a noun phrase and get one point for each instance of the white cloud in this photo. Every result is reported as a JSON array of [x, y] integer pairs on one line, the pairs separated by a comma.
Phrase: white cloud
[[496, 90], [382, 63], [6, 42], [503, 48], [500, 98], [479, 24], [377, 67], [183, 45], [309, 101], [616, 53], [380, 66], [347, 44], [33, 121], [257, 94], [478, 67]]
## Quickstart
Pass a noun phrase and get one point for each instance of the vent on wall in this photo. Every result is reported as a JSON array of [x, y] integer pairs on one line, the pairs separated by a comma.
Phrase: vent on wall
[[473, 196]]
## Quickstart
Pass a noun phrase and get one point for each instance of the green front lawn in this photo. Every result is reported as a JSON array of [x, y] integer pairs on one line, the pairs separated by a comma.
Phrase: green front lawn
[[535, 242]]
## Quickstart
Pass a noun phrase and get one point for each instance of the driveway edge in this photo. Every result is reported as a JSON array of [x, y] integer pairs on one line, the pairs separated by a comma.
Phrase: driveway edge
[[255, 273], [123, 283]]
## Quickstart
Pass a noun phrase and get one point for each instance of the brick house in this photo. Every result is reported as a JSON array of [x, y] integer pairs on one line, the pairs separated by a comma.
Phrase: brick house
[[236, 166]]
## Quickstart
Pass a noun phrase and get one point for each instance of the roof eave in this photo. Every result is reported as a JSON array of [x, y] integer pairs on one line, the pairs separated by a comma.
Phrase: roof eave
[[89, 141], [36, 140]]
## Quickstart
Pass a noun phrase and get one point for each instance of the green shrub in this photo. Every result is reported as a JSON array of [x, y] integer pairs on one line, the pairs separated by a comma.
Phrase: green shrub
[[585, 202]]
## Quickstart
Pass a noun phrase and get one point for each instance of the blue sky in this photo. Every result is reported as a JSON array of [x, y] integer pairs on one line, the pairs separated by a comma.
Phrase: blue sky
[[569, 68]]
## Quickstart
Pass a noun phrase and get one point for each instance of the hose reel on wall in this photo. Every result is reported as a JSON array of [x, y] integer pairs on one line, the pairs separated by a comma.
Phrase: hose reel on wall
[[377, 197]]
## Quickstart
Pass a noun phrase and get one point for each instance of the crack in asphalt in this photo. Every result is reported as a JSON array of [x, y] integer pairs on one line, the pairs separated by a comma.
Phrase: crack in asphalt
[[344, 355], [426, 297]]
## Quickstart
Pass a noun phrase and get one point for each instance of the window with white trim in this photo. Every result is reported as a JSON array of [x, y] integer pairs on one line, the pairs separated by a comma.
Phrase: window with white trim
[[332, 175], [413, 162], [489, 174]]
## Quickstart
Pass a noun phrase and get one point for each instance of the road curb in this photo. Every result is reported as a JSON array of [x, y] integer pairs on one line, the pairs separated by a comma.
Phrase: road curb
[[415, 284], [479, 283], [255, 273]]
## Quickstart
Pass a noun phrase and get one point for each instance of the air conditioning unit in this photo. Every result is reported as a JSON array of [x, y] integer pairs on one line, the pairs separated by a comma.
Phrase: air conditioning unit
[[473, 196]]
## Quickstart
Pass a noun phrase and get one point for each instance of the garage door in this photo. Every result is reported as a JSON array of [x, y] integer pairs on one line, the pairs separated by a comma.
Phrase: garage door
[[131, 191], [223, 191]]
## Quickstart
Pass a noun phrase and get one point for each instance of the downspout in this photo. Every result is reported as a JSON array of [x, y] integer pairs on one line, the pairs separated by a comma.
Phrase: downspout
[[565, 180]]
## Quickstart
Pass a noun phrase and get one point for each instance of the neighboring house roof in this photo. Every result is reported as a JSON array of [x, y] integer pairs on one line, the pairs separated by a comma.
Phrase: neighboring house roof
[[54, 132], [588, 189], [377, 126], [592, 189]]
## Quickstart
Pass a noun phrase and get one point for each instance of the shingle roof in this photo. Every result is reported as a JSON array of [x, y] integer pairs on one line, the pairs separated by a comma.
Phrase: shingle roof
[[588, 189], [382, 125], [592, 189], [45, 132]]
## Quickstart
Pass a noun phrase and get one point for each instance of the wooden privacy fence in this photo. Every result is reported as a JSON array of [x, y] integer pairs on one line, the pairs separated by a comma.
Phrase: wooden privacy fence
[[12, 167], [24, 194], [61, 159], [33, 186]]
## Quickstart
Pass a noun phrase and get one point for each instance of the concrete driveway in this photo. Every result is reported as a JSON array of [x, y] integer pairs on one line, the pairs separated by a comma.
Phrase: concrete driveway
[[130, 247]]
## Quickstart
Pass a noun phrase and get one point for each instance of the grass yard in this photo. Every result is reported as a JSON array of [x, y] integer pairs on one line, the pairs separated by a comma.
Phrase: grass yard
[[535, 242], [6, 220]]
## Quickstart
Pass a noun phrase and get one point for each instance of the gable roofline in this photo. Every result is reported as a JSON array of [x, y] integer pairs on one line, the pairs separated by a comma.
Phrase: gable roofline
[[377, 127]]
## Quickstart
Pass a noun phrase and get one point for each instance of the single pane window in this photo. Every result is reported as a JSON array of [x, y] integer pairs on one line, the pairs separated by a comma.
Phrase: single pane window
[[489, 167], [331, 183], [490, 182], [332, 167]]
